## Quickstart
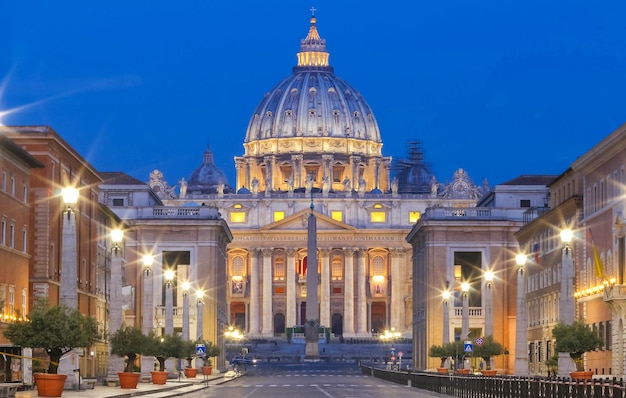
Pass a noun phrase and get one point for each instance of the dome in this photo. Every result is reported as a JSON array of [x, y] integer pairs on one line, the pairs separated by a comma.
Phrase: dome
[[311, 103], [207, 178]]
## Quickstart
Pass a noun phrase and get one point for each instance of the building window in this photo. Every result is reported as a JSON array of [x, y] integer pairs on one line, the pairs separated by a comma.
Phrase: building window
[[237, 217], [378, 216], [524, 203], [24, 293], [117, 202], [238, 266], [12, 186], [414, 216], [12, 236], [337, 269], [25, 193], [378, 266], [337, 215], [4, 181], [279, 269], [279, 215], [24, 236], [11, 303], [4, 232]]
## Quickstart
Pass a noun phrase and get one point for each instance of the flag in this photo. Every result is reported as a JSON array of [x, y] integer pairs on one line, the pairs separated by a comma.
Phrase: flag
[[536, 252], [598, 265]]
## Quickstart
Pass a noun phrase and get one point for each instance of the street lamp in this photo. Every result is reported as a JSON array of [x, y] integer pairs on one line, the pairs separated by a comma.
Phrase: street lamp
[[465, 310], [69, 258], [446, 314], [186, 286], [169, 302], [147, 362], [521, 324], [566, 299], [199, 320], [116, 302], [489, 304]]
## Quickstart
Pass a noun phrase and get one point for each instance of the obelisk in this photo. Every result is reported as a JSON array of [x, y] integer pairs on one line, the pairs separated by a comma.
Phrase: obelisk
[[312, 311]]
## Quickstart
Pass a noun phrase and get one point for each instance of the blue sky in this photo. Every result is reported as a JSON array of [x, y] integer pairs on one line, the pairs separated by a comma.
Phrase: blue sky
[[499, 88]]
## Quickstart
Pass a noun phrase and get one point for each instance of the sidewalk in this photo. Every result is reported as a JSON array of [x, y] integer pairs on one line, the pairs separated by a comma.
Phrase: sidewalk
[[172, 388]]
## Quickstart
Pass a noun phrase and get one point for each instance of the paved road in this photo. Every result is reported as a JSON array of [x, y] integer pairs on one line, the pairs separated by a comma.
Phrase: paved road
[[318, 380]]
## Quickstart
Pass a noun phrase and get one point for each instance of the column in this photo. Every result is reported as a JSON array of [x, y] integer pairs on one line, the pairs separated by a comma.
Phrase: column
[[269, 172], [297, 171], [147, 311], [361, 285], [254, 294], [521, 323], [355, 161], [185, 331], [397, 291], [566, 300], [325, 289], [377, 162], [465, 330], [348, 299], [291, 308], [267, 329]]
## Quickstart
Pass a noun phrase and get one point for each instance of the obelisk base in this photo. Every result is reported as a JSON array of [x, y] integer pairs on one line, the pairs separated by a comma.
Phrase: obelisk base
[[312, 351]]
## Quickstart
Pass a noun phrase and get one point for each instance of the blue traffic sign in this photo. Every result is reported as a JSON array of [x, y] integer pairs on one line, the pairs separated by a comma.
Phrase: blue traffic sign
[[200, 350], [468, 346]]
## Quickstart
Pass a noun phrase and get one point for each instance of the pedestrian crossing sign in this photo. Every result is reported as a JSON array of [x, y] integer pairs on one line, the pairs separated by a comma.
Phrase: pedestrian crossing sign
[[200, 350]]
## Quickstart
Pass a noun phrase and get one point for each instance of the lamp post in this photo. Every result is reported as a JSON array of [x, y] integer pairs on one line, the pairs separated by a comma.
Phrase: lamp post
[[446, 315], [521, 324], [465, 310], [489, 303], [147, 362], [169, 302], [185, 286], [69, 257], [116, 314], [566, 299]]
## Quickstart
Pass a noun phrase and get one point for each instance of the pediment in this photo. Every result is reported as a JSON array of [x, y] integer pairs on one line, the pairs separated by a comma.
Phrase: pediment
[[299, 222]]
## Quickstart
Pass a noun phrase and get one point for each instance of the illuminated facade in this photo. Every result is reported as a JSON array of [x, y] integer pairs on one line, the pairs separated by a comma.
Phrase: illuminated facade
[[314, 141]]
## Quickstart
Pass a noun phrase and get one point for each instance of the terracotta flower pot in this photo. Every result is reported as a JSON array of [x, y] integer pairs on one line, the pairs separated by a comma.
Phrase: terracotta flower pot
[[159, 377], [206, 370], [443, 370], [128, 379], [191, 372], [463, 371], [50, 384], [581, 375], [489, 372]]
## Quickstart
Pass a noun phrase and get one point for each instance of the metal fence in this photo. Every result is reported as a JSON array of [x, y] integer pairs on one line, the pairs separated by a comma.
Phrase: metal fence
[[477, 386]]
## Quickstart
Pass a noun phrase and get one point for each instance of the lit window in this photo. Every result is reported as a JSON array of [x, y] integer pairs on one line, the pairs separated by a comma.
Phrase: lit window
[[378, 206], [337, 269], [279, 215], [237, 206], [414, 216], [378, 266], [279, 269], [238, 216], [238, 266], [378, 216], [337, 215]]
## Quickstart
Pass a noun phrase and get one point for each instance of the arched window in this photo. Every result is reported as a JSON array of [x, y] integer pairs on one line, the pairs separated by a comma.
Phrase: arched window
[[238, 266], [337, 269], [378, 266]]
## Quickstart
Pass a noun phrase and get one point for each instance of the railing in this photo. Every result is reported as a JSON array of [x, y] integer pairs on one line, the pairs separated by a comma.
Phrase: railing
[[478, 386], [473, 213], [474, 312], [184, 212]]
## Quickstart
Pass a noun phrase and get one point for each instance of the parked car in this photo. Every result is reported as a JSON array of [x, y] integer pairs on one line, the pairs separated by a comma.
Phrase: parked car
[[241, 360]]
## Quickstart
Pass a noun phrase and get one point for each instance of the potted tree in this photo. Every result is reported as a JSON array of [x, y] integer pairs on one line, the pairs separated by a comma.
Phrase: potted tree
[[57, 329], [576, 339], [128, 342], [189, 352], [211, 351], [443, 353], [488, 349], [163, 348]]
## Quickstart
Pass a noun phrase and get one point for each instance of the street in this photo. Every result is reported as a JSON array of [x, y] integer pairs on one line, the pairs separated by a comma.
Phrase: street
[[310, 380]]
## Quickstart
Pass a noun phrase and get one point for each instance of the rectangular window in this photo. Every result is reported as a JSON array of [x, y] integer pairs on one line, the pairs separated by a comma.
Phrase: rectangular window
[[337, 270], [414, 216], [12, 237], [378, 216], [279, 215], [4, 232], [4, 181], [25, 193], [12, 186], [238, 217], [279, 270], [118, 202], [608, 341], [11, 300], [24, 241], [337, 215], [524, 203]]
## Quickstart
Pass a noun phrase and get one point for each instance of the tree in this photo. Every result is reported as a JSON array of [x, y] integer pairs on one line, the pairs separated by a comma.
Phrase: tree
[[488, 349], [57, 329], [576, 339], [164, 347], [442, 352], [211, 351], [128, 342]]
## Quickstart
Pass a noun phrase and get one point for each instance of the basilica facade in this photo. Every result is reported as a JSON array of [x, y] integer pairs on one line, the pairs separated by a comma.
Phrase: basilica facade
[[313, 144]]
